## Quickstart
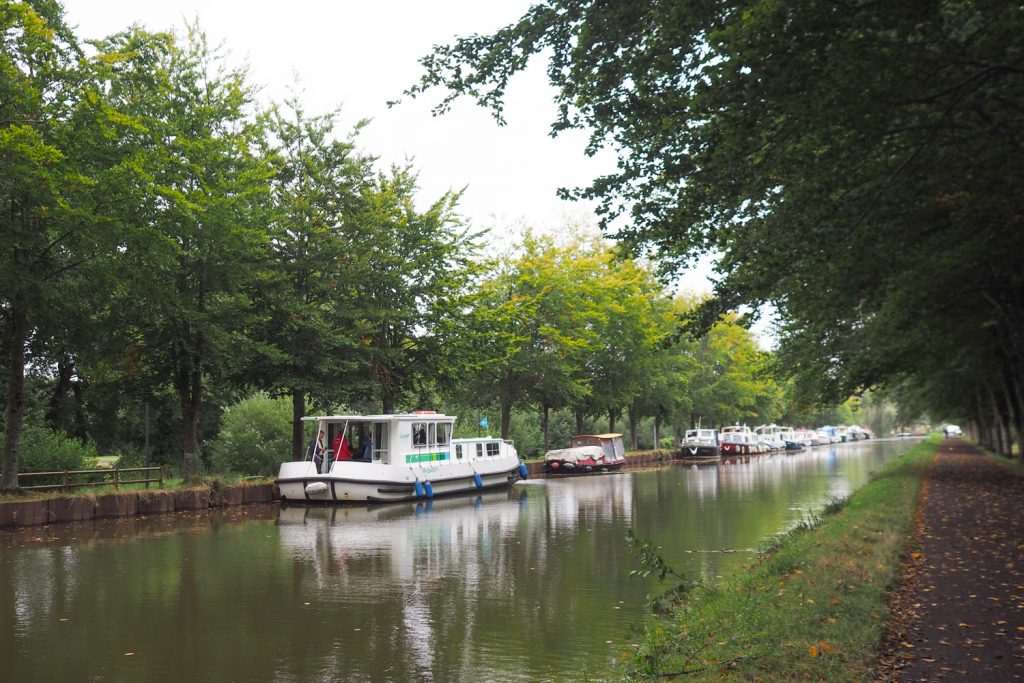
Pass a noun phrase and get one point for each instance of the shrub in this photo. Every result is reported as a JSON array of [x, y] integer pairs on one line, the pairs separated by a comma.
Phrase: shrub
[[255, 436], [44, 450]]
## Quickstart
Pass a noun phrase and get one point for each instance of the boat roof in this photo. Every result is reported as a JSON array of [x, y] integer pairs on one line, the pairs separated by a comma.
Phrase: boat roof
[[418, 415], [599, 436]]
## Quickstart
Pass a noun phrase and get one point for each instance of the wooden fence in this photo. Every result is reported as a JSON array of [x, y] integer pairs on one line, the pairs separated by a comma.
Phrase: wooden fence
[[98, 477]]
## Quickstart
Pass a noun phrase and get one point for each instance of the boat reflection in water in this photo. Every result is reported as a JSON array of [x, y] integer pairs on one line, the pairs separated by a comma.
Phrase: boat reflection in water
[[444, 529], [407, 577]]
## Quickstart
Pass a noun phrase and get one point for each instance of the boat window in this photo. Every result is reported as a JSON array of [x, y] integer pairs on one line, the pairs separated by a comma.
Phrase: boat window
[[442, 433], [479, 450], [458, 451], [380, 440], [419, 433], [492, 448]]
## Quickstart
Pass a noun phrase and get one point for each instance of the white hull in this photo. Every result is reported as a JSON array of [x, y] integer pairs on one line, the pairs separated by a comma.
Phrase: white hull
[[350, 481]]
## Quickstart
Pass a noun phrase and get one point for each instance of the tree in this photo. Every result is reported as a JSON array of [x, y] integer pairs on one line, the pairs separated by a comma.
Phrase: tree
[[415, 271], [310, 295], [533, 322], [48, 230], [854, 164], [193, 199], [731, 380]]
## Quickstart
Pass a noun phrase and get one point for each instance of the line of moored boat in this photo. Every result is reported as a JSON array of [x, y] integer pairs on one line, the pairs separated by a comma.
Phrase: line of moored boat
[[770, 438], [396, 457]]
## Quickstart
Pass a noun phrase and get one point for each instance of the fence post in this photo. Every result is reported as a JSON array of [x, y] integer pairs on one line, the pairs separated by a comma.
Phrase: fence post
[[161, 476], [66, 481], [117, 478]]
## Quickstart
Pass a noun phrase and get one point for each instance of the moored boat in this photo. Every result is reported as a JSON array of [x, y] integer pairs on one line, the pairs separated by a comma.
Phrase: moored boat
[[700, 443], [386, 458], [587, 453], [738, 440], [771, 437]]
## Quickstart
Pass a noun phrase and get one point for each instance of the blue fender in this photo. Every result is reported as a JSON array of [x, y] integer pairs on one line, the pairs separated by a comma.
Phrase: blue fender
[[523, 472], [428, 489], [418, 487], [477, 480]]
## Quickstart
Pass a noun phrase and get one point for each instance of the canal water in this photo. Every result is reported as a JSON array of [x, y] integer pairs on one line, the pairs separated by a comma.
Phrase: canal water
[[529, 584]]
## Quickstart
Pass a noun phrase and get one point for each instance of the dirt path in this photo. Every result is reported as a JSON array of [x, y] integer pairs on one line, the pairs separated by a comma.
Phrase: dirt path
[[959, 614]]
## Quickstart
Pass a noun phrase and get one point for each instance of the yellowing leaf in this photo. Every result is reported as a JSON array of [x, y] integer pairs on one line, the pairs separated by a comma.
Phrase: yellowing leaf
[[813, 650]]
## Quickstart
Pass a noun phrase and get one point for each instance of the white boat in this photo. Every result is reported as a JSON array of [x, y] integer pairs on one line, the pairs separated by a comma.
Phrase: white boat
[[738, 440], [587, 453], [386, 458], [700, 443], [771, 437]]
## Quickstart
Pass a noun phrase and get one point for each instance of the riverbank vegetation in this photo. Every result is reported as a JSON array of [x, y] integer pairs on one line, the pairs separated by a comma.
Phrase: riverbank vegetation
[[812, 607], [186, 273]]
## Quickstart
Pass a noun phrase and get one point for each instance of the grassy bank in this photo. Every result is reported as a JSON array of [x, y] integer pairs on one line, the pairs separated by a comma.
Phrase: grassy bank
[[811, 608]]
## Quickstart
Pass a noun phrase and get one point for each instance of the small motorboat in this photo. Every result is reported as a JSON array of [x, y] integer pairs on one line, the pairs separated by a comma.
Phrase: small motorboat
[[587, 453]]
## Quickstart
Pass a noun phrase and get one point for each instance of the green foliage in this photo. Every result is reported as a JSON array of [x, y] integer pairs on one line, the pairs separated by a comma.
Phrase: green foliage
[[651, 562], [193, 193], [45, 450], [874, 206], [255, 437]]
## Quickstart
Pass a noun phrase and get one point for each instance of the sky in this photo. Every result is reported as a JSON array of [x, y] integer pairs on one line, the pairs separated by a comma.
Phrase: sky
[[360, 56]]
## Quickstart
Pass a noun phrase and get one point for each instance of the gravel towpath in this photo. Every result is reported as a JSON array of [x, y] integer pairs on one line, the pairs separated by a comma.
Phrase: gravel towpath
[[959, 612]]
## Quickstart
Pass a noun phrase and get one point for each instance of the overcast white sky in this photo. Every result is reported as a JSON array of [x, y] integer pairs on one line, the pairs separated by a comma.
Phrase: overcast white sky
[[363, 54]]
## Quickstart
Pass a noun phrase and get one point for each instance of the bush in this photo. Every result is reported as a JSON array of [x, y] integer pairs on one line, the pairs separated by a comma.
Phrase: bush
[[255, 436], [44, 450]]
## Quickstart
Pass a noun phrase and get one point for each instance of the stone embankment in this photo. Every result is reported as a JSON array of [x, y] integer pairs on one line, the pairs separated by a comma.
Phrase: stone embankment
[[21, 513]]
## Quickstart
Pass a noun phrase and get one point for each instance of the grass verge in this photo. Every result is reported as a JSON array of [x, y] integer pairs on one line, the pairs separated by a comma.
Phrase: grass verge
[[812, 608]]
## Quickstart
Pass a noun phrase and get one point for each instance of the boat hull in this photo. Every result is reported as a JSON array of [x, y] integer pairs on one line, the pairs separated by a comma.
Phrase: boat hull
[[367, 482], [568, 467]]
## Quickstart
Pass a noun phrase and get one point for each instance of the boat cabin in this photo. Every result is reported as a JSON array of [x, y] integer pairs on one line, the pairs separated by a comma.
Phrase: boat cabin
[[701, 437], [419, 438], [612, 445], [385, 439]]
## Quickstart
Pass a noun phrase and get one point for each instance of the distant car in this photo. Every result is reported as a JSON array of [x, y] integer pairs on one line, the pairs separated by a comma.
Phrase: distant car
[[952, 430]]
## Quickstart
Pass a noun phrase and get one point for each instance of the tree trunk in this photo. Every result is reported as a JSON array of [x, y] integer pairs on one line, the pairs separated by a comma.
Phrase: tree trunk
[[190, 389], [632, 413], [677, 434], [657, 437], [506, 417], [15, 411], [1015, 402], [60, 392], [999, 423], [81, 424], [387, 401], [544, 422], [298, 412], [579, 422], [611, 420]]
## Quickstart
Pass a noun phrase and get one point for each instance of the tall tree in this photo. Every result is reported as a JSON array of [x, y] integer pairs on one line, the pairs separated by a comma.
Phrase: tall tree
[[415, 269], [532, 323], [855, 163], [47, 228], [194, 192], [310, 296]]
